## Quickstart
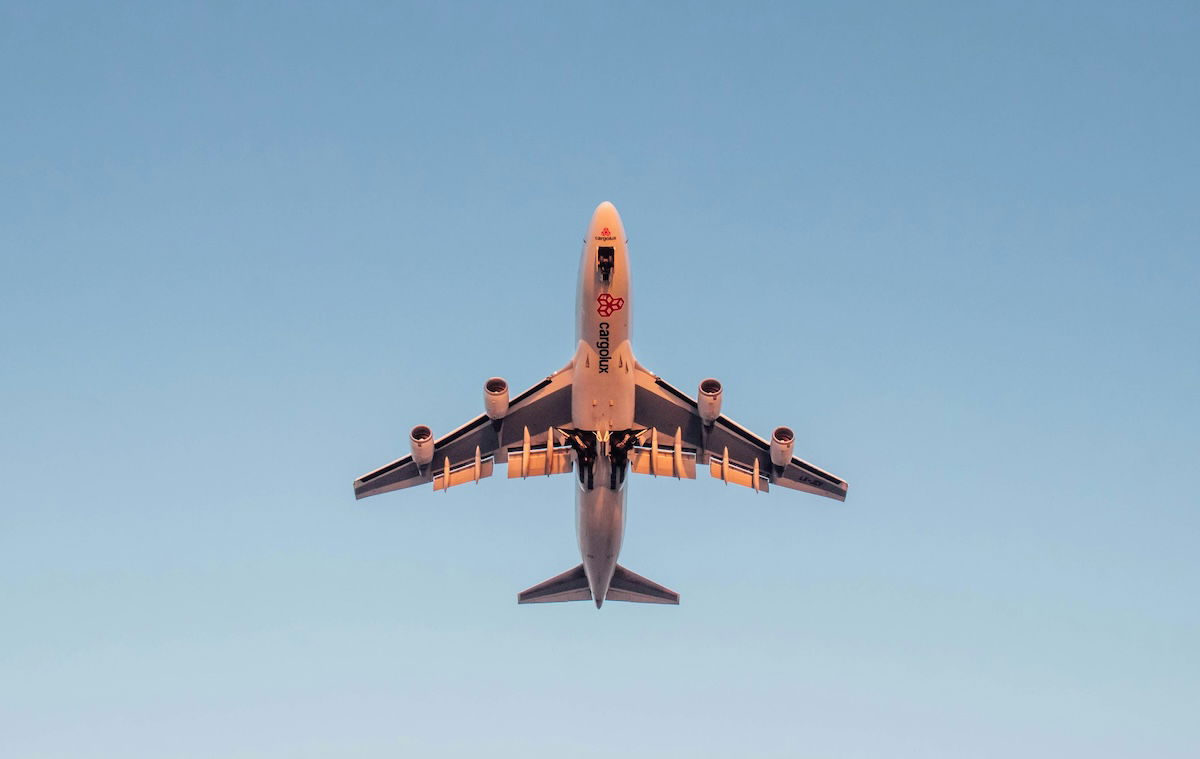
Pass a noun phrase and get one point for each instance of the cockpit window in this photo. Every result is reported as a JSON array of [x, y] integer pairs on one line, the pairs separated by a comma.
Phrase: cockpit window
[[606, 259]]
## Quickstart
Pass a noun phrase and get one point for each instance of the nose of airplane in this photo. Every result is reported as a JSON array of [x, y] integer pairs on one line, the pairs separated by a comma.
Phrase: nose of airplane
[[606, 223]]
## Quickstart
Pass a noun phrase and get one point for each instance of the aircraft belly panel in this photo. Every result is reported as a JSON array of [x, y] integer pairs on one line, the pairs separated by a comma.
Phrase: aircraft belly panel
[[603, 400]]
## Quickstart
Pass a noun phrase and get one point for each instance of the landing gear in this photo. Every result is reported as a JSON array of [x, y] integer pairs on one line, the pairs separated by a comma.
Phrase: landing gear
[[620, 443], [589, 448], [583, 442]]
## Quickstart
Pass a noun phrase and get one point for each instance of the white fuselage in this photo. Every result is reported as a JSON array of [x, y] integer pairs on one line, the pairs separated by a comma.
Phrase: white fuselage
[[602, 396]]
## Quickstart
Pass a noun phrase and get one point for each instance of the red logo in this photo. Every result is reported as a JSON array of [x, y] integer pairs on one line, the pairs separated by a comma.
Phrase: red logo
[[608, 304], [604, 232]]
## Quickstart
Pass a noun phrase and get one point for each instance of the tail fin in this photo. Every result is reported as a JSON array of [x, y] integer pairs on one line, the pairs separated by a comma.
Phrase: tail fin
[[571, 585], [627, 586]]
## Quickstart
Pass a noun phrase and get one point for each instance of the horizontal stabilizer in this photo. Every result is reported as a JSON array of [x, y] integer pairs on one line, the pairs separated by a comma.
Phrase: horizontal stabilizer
[[628, 586], [571, 585]]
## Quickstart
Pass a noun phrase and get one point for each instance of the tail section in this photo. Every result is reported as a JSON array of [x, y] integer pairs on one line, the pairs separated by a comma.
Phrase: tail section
[[572, 585], [628, 586]]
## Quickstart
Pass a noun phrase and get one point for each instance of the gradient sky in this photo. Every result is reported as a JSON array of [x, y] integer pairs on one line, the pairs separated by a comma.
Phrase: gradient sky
[[244, 247]]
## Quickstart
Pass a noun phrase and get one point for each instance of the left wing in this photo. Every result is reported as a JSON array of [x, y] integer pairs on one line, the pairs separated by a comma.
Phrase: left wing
[[468, 453], [733, 453]]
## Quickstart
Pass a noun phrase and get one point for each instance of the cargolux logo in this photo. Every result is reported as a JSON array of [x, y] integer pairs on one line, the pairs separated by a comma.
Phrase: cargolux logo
[[608, 304], [605, 232]]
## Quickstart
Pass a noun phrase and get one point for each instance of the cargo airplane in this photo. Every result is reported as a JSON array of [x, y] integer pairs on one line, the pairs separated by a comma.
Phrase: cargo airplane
[[602, 416]]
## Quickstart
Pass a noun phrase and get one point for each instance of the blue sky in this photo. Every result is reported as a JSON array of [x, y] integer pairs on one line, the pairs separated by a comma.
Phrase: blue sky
[[244, 248]]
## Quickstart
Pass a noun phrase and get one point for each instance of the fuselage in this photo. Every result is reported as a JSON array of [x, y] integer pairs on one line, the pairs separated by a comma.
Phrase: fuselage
[[602, 396]]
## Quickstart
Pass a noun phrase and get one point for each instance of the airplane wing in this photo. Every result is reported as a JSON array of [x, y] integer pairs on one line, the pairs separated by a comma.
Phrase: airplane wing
[[733, 453], [523, 438]]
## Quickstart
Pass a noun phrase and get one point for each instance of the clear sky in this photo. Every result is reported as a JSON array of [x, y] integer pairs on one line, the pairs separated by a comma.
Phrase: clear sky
[[245, 247]]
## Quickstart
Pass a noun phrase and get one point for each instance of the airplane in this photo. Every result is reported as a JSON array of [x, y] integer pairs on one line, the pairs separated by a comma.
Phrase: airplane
[[602, 416]]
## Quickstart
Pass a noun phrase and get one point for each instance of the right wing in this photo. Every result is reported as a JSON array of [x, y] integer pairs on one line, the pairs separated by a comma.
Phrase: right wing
[[732, 452], [468, 453]]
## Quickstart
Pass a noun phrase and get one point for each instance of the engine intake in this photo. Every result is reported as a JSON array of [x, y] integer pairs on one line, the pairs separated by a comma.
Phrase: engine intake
[[495, 397], [782, 441], [709, 400], [421, 439]]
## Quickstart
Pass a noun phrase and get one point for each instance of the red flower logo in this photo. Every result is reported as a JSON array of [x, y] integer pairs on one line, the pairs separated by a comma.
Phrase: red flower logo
[[608, 304], [604, 232]]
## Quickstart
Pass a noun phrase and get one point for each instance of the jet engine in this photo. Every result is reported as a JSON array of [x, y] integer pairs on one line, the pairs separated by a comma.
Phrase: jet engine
[[495, 397], [709, 400], [421, 438], [782, 440]]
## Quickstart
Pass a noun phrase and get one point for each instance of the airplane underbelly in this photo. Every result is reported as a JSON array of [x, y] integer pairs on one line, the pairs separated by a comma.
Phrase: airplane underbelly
[[602, 389], [600, 524]]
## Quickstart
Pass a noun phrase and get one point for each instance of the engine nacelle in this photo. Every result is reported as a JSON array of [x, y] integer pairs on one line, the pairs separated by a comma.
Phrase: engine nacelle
[[495, 397], [421, 439], [709, 400], [782, 441]]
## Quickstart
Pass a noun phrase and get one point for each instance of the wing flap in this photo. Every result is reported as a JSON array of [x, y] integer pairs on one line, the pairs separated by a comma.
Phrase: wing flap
[[668, 458], [464, 473], [544, 458], [664, 463], [536, 462], [732, 472]]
